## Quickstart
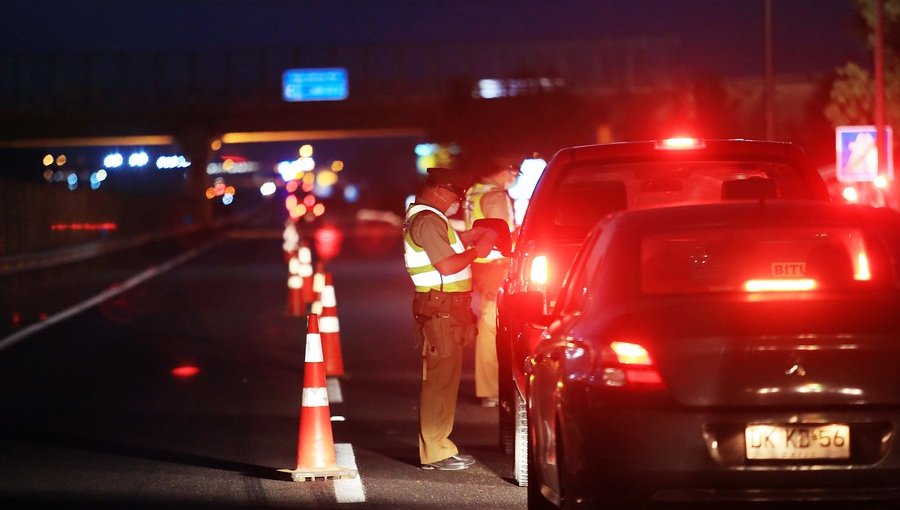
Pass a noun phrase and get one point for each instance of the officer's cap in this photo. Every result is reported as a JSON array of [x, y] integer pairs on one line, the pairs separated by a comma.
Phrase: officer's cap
[[455, 180]]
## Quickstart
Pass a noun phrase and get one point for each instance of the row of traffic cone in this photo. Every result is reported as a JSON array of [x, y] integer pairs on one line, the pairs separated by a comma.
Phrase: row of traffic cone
[[316, 455], [301, 279]]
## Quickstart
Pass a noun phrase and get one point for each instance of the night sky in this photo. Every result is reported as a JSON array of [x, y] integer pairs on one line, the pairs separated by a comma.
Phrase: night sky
[[718, 36]]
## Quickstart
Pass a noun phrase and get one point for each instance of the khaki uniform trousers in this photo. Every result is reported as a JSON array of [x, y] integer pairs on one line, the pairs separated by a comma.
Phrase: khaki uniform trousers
[[444, 325], [487, 279], [437, 405]]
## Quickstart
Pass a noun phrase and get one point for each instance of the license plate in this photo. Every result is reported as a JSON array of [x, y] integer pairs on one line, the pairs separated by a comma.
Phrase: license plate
[[793, 442]]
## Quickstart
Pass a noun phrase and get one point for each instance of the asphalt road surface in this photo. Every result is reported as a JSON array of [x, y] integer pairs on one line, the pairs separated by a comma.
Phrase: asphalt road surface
[[91, 415]]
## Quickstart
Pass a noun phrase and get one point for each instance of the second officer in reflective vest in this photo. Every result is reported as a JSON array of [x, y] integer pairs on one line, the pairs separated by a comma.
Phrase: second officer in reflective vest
[[488, 198], [437, 259]]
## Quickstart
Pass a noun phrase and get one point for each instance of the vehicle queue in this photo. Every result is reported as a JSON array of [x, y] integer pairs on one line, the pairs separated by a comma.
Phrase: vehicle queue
[[716, 337]]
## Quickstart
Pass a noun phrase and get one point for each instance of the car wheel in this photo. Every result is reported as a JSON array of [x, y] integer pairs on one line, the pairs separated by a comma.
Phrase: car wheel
[[520, 443], [507, 410], [536, 500]]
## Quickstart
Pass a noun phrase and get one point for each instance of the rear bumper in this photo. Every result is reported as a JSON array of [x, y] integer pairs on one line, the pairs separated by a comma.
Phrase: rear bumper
[[678, 455]]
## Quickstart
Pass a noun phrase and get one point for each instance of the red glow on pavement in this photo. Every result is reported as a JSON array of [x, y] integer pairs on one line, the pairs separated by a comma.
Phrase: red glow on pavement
[[185, 371], [328, 240], [84, 226]]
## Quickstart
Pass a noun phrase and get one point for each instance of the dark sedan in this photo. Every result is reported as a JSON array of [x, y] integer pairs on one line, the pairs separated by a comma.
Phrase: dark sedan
[[746, 350], [583, 184]]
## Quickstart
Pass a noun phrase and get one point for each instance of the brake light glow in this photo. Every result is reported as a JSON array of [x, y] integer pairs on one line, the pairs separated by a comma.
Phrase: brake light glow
[[630, 366], [538, 273], [780, 285], [862, 272], [631, 354], [680, 143]]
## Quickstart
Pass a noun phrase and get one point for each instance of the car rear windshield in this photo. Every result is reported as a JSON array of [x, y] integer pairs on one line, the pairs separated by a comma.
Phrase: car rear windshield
[[763, 259], [591, 190]]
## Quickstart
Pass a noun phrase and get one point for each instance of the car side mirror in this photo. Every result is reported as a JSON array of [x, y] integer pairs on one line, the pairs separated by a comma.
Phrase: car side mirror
[[528, 307], [503, 243]]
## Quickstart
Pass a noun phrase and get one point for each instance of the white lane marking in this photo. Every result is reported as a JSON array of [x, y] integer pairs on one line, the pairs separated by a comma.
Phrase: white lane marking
[[134, 281], [334, 390], [348, 490]]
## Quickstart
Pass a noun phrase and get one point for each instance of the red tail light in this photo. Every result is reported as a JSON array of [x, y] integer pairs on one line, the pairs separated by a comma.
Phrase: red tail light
[[537, 273], [629, 365]]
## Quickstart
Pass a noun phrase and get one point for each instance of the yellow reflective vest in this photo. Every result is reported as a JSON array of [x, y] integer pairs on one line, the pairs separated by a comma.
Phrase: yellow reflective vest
[[421, 269], [474, 212]]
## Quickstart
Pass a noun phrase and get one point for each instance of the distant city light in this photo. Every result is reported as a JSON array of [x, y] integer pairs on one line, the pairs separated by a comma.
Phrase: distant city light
[[493, 88], [61, 160], [337, 165], [435, 154], [101, 175], [309, 200], [170, 162], [138, 159], [114, 160], [227, 198], [284, 170], [319, 209], [48, 175], [48, 160], [426, 149], [306, 150], [850, 194], [84, 226], [351, 193], [307, 164], [268, 189], [326, 178], [880, 182], [292, 186], [72, 180], [216, 145], [210, 193], [95, 181]]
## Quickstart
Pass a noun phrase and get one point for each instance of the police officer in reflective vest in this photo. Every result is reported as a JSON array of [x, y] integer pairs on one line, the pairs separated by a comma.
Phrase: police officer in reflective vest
[[438, 261], [488, 198]]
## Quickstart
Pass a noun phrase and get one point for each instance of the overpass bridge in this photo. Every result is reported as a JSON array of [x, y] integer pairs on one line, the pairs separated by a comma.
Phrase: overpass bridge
[[543, 95], [423, 89]]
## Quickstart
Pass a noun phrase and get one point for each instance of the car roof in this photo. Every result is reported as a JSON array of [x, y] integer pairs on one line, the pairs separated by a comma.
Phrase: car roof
[[711, 149], [750, 213]]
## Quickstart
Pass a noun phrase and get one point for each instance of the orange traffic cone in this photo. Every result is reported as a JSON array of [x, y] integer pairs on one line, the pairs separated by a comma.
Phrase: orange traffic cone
[[331, 330], [315, 448], [296, 305], [306, 271]]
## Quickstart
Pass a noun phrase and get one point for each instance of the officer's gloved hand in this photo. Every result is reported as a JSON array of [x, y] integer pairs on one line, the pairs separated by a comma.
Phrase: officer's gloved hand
[[485, 243], [471, 236]]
